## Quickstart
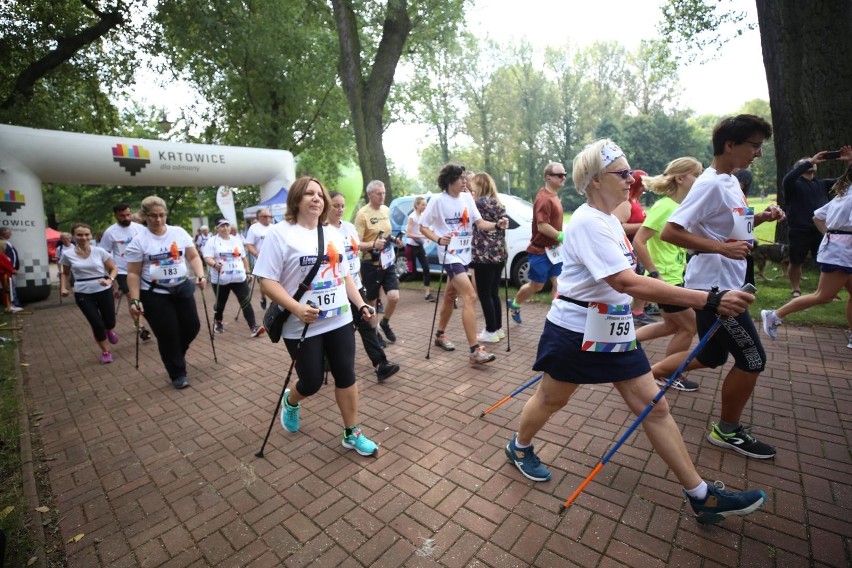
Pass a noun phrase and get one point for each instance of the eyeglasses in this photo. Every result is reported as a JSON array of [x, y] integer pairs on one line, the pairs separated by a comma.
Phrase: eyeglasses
[[562, 176], [623, 173], [265, 216], [756, 145]]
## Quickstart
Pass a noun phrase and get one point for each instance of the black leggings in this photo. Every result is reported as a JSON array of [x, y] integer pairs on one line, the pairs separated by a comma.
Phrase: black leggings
[[487, 278], [99, 310], [241, 291], [417, 253], [339, 346], [174, 321]]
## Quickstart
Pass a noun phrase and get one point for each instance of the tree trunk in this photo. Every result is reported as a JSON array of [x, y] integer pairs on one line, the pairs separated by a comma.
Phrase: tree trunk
[[367, 98], [806, 44]]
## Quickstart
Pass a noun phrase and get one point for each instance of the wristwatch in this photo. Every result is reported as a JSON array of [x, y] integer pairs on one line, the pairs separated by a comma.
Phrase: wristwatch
[[654, 274], [714, 298]]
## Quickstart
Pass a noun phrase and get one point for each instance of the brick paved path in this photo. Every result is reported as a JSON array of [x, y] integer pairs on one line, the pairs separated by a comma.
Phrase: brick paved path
[[158, 477]]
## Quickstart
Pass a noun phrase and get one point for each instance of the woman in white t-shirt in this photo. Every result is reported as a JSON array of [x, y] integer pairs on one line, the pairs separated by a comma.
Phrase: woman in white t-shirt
[[321, 330], [834, 219], [161, 288], [415, 247], [228, 260], [589, 337], [94, 272]]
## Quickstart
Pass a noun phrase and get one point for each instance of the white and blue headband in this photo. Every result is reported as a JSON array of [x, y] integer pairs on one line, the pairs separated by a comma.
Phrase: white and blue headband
[[610, 152]]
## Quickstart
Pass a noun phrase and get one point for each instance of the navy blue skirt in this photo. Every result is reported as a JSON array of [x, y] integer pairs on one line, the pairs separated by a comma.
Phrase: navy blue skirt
[[559, 355]]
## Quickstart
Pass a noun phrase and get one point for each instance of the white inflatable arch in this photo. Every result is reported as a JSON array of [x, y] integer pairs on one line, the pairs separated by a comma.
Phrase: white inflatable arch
[[30, 157]]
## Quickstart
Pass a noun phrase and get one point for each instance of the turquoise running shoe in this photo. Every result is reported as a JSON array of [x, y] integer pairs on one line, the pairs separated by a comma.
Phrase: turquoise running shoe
[[289, 414], [360, 443]]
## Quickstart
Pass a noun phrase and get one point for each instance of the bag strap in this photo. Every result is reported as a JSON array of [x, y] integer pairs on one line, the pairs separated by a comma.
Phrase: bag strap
[[306, 284]]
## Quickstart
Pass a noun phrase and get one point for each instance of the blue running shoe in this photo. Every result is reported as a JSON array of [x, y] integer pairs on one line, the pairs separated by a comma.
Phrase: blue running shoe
[[526, 461], [720, 503], [289, 414], [515, 310], [360, 443]]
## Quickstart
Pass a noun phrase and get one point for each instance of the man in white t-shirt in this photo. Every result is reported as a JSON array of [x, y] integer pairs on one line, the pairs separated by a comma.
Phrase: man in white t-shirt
[[115, 240], [448, 220], [254, 240], [715, 224]]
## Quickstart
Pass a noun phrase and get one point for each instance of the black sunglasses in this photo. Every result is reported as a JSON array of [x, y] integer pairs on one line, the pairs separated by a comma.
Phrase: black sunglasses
[[559, 175], [623, 173]]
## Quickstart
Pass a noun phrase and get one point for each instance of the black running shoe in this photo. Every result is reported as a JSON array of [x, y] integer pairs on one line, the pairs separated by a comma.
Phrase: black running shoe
[[386, 370], [386, 328], [741, 441]]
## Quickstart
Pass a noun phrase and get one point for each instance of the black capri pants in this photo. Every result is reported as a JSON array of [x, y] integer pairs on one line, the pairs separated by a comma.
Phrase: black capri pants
[[737, 337], [174, 321], [99, 310], [241, 291], [339, 347]]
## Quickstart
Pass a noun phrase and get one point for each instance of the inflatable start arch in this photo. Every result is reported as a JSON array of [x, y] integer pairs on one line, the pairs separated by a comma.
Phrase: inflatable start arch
[[30, 157]]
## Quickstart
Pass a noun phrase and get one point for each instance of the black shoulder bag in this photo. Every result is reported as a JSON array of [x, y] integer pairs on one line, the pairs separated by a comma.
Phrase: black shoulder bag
[[275, 316]]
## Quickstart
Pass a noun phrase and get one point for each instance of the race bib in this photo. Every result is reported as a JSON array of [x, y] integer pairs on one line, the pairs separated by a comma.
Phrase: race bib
[[387, 257], [329, 296], [554, 254], [743, 224], [609, 328], [168, 270], [459, 242]]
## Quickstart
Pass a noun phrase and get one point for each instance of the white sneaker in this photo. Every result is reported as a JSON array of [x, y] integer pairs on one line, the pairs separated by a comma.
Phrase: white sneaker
[[15, 309], [488, 337], [770, 322], [500, 333]]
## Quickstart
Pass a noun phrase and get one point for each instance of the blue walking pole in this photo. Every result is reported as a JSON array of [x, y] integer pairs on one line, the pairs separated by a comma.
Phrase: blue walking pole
[[515, 392]]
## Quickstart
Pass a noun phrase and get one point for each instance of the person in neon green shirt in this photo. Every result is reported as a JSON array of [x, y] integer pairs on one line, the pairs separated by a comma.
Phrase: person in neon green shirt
[[666, 261]]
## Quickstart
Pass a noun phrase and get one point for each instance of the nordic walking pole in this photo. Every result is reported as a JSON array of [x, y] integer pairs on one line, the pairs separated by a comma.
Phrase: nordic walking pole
[[136, 322], [251, 293], [284, 388], [209, 329], [437, 301], [509, 396], [118, 302], [716, 324], [506, 280]]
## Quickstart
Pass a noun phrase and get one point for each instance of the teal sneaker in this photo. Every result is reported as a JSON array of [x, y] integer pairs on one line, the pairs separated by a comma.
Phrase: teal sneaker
[[526, 461], [289, 414], [360, 443], [720, 503], [515, 310]]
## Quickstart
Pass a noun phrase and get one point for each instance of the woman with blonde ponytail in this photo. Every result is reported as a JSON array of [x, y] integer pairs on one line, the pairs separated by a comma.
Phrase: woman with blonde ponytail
[[667, 261]]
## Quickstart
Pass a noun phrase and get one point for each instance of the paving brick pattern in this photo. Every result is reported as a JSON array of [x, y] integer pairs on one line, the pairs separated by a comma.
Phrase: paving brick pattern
[[158, 477]]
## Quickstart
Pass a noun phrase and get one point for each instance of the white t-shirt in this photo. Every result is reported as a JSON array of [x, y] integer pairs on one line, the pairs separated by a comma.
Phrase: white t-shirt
[[230, 254], [289, 254], [709, 210], [90, 269], [414, 217], [163, 257], [256, 233], [595, 246], [837, 214], [448, 215], [352, 243], [201, 239], [116, 238]]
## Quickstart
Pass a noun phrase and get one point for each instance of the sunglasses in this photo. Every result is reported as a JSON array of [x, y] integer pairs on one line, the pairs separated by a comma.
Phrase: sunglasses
[[623, 173], [563, 176]]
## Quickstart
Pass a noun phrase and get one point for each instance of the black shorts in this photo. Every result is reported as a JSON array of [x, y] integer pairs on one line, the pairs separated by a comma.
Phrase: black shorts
[[802, 243], [738, 336], [336, 346], [672, 308], [374, 278], [121, 280], [559, 355]]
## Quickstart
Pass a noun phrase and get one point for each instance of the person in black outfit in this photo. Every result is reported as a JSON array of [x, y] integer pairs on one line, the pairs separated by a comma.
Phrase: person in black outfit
[[803, 194]]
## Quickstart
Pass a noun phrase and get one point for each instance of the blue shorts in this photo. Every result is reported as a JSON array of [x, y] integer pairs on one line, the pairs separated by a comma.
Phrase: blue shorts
[[454, 269], [541, 269], [560, 356], [825, 267]]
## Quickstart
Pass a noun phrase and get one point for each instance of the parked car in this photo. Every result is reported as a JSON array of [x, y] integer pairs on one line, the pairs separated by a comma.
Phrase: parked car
[[519, 211]]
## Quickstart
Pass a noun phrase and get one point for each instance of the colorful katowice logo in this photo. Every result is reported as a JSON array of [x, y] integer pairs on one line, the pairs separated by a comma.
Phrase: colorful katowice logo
[[131, 158], [11, 201]]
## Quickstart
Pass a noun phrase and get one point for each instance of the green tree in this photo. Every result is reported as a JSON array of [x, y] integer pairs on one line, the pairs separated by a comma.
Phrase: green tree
[[652, 77]]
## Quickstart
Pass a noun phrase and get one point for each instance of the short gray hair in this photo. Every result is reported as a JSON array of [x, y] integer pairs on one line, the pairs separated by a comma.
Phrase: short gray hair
[[374, 185]]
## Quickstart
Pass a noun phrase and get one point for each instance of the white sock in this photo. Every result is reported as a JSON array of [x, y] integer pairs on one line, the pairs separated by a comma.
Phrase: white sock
[[519, 445], [699, 492]]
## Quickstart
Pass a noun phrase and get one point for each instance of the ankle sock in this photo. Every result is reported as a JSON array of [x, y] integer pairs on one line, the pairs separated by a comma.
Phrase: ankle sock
[[474, 347], [521, 446], [728, 427], [699, 492], [348, 431]]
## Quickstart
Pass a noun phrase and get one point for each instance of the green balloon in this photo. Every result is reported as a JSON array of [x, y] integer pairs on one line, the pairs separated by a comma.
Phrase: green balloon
[[351, 185]]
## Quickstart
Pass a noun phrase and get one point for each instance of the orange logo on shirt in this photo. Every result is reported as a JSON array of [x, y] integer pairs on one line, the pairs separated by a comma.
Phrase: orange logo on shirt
[[354, 244], [236, 252], [465, 220], [333, 260], [174, 251]]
